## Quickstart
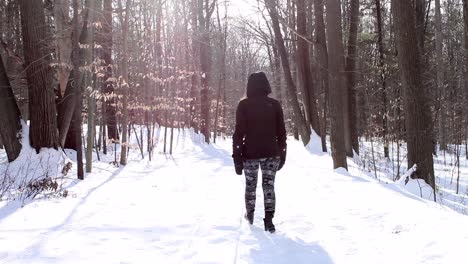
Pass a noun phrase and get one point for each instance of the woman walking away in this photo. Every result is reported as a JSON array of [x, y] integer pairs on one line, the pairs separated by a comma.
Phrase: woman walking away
[[259, 141]]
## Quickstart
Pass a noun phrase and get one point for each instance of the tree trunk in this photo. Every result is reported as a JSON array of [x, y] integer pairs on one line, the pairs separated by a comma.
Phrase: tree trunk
[[337, 88], [77, 61], [383, 77], [420, 13], [417, 112], [351, 121], [124, 86], [322, 61], [277, 73], [204, 17], [9, 114], [303, 61], [64, 43], [439, 76], [222, 76], [90, 83], [43, 120], [108, 84], [66, 108], [303, 128], [465, 19], [67, 104]]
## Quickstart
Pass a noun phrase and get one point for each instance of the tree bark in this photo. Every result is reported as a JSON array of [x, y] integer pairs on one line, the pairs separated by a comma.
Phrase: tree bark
[[222, 76], [337, 88], [89, 83], [108, 84], [420, 13], [76, 60], [465, 19], [64, 42], [322, 61], [43, 121], [301, 124], [67, 104], [303, 61], [66, 108], [383, 77], [124, 86], [204, 16], [9, 114], [439, 76], [417, 112], [351, 120]]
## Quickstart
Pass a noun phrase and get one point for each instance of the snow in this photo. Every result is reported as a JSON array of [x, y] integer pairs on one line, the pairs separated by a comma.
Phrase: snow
[[188, 207], [29, 167], [445, 170]]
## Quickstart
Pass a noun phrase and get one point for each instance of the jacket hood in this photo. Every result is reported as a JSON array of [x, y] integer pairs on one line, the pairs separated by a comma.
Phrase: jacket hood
[[258, 85]]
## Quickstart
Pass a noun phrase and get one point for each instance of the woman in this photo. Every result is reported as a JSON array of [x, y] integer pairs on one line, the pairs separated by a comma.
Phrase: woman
[[259, 141]]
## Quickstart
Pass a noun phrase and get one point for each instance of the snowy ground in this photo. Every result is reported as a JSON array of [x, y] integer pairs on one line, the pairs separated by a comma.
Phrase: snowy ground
[[446, 170], [188, 207]]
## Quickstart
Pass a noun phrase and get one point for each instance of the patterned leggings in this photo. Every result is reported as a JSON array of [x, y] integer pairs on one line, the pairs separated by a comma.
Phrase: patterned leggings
[[269, 167]]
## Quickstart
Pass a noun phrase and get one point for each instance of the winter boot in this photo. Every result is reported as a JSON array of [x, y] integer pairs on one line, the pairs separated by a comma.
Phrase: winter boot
[[249, 216], [268, 221]]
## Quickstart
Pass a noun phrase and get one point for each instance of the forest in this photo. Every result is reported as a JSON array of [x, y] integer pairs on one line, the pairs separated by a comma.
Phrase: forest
[[88, 74], [120, 139]]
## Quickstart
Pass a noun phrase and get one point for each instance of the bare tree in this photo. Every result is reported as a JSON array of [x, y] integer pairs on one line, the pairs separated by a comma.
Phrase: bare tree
[[465, 19], [76, 60], [383, 77], [205, 11], [337, 90], [108, 84], [304, 129], [351, 133], [303, 61], [417, 112], [43, 123], [89, 82], [439, 76], [124, 85], [322, 63], [9, 114]]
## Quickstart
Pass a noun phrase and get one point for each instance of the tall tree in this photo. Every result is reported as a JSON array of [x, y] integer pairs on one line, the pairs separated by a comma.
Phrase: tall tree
[[351, 121], [304, 129], [465, 19], [205, 11], [337, 90], [322, 63], [43, 121], [90, 82], [439, 76], [124, 84], [9, 114], [303, 61], [108, 84], [417, 112], [77, 62], [382, 75]]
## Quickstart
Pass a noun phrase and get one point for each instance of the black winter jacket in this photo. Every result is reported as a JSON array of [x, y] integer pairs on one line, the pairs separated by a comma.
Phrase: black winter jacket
[[260, 131]]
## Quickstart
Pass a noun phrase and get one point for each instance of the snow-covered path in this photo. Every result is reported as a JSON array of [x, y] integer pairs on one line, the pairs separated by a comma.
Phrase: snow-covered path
[[187, 208]]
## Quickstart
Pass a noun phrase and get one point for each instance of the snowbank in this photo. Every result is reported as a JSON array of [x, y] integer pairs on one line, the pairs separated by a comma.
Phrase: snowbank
[[19, 177], [418, 187], [315, 144]]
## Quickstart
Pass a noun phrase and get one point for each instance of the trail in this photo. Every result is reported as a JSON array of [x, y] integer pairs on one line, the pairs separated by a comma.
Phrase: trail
[[187, 208]]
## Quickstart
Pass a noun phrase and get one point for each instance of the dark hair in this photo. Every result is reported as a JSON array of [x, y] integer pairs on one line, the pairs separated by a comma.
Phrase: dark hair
[[258, 85]]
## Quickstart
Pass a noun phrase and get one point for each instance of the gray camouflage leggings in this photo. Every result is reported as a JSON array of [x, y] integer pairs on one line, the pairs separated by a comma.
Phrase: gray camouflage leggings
[[269, 167]]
